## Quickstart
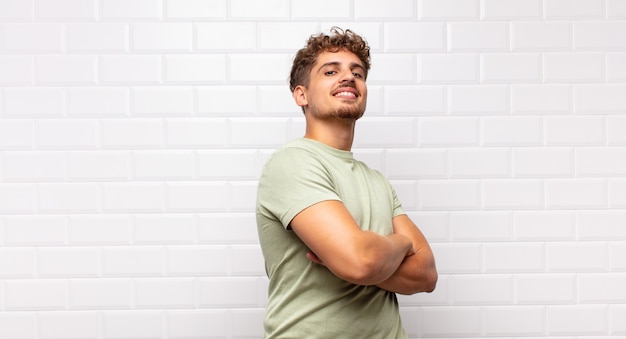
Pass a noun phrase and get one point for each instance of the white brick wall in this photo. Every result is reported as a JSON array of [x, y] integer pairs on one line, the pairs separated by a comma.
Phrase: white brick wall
[[132, 133]]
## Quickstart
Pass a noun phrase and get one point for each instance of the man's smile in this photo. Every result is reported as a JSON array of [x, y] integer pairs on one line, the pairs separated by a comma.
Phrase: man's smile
[[346, 92]]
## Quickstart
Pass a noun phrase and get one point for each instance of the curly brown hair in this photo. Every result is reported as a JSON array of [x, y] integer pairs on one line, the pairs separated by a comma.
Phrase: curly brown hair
[[336, 41]]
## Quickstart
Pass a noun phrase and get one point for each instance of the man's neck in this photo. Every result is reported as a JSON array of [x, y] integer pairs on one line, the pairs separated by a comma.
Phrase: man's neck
[[338, 134]]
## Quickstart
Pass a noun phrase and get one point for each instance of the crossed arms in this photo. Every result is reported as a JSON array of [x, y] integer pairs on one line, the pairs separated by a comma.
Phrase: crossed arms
[[401, 262]]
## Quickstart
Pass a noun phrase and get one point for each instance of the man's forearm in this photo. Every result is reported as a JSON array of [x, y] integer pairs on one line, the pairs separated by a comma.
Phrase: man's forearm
[[337, 242], [415, 274], [382, 256]]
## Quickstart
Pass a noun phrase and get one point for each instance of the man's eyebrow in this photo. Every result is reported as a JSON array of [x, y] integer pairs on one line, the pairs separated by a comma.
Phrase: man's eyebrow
[[353, 65]]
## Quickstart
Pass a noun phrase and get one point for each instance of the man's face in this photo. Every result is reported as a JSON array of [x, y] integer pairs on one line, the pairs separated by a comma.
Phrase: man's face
[[337, 87]]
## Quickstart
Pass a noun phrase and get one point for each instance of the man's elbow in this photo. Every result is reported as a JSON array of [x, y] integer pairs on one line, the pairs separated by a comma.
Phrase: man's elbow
[[429, 278], [427, 282], [430, 281]]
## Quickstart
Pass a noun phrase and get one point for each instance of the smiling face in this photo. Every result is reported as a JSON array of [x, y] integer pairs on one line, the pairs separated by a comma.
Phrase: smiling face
[[336, 88]]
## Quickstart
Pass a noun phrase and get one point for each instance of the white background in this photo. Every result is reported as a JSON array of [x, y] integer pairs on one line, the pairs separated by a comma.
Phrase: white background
[[132, 133]]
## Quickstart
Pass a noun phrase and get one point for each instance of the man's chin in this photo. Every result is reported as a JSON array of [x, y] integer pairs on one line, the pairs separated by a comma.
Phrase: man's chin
[[348, 113]]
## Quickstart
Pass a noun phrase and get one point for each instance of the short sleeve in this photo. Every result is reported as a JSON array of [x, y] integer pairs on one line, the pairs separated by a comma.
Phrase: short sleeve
[[292, 180], [397, 205]]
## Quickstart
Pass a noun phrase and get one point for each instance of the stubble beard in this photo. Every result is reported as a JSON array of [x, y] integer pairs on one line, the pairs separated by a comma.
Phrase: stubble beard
[[352, 112], [349, 113]]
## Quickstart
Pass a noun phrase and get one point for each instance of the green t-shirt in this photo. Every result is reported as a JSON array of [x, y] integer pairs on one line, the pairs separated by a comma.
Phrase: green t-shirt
[[305, 299]]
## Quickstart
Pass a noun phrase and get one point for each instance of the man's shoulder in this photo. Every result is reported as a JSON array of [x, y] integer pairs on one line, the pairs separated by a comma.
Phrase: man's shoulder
[[294, 150]]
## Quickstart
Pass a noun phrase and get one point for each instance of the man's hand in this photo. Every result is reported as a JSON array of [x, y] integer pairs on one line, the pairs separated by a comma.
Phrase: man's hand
[[314, 258]]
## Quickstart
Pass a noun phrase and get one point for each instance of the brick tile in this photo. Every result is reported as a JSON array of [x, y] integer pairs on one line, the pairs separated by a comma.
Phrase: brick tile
[[478, 100], [483, 36], [545, 288], [425, 36], [17, 198], [512, 9], [16, 70], [616, 9], [195, 68], [512, 131], [468, 321], [17, 262], [572, 193], [513, 194], [506, 320], [98, 101], [131, 9], [37, 230], [449, 9], [458, 131], [100, 229], [33, 37], [66, 9], [35, 294], [577, 320], [541, 99], [97, 37], [305, 10], [69, 325], [193, 132], [16, 134], [132, 197], [473, 163], [146, 324], [544, 225], [369, 9], [541, 36], [136, 69], [599, 35], [16, 9], [480, 226], [67, 134], [33, 101], [18, 324], [251, 9], [482, 290], [570, 67], [136, 261], [448, 68], [164, 229], [563, 9], [572, 131], [34, 166], [162, 165], [227, 100], [196, 9], [577, 257], [543, 162], [511, 68], [292, 34], [514, 258], [68, 262], [236, 36], [165, 292], [69, 197], [198, 323]]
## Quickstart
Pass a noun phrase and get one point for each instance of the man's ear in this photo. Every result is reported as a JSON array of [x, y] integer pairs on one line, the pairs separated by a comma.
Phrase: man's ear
[[300, 96]]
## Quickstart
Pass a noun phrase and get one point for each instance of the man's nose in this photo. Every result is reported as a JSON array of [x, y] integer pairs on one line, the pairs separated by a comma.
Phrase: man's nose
[[347, 76]]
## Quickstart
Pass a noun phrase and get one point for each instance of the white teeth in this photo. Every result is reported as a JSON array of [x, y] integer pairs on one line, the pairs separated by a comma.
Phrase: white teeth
[[343, 94]]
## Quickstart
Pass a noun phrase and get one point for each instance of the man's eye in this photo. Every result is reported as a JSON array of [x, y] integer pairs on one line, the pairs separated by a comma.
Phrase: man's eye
[[330, 72], [358, 75]]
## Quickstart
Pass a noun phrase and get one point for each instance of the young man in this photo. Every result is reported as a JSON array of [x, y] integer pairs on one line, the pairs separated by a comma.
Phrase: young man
[[336, 242]]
